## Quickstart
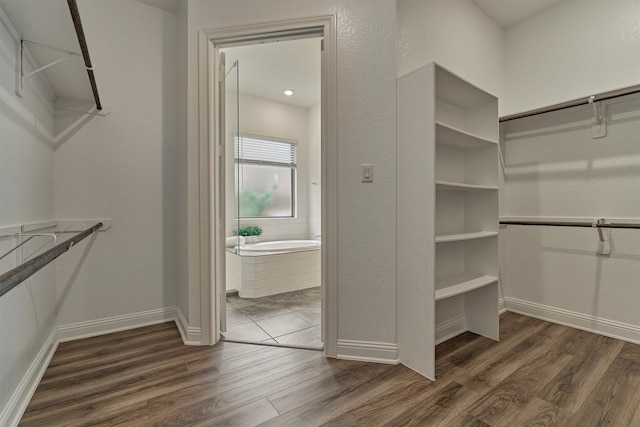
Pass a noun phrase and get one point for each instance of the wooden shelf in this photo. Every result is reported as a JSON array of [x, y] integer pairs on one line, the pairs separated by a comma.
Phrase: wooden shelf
[[451, 286], [465, 236], [453, 137], [457, 186]]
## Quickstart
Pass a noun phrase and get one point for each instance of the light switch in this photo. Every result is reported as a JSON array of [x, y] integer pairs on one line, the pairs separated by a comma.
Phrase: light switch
[[367, 173]]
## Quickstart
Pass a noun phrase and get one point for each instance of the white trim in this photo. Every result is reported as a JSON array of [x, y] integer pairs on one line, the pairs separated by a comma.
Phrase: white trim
[[585, 322], [368, 351], [206, 224], [502, 305], [190, 334], [447, 330], [21, 397], [92, 328]]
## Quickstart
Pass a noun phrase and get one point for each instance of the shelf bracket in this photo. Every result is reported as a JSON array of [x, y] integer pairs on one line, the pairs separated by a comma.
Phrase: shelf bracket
[[599, 125], [21, 62], [604, 237]]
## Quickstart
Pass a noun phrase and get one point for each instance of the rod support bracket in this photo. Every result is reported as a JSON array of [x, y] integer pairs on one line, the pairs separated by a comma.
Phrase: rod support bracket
[[604, 237], [599, 125]]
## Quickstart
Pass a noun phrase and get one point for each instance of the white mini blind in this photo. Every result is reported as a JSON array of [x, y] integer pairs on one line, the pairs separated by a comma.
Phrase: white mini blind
[[257, 150]]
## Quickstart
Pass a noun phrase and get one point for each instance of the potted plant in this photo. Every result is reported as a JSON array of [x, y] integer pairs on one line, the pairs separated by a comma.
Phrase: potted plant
[[249, 232]]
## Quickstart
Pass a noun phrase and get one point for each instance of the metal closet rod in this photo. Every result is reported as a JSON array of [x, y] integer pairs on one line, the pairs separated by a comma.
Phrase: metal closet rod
[[573, 224], [581, 101], [77, 23], [17, 275]]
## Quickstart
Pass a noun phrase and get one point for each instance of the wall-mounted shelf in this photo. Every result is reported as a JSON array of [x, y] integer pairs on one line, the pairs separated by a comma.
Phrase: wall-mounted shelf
[[51, 46], [465, 236], [453, 137], [451, 286], [457, 186]]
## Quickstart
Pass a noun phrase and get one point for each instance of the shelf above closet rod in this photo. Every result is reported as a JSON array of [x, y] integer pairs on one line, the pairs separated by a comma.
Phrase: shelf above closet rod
[[77, 23], [576, 102], [17, 275]]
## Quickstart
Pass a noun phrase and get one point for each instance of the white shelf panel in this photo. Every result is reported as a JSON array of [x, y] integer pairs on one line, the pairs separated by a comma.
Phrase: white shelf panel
[[453, 137], [458, 92], [457, 186], [451, 286], [465, 236]]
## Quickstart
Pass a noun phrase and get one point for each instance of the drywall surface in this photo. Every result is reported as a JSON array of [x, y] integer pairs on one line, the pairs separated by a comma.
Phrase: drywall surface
[[455, 34], [123, 167], [366, 134], [575, 49], [553, 168], [181, 161], [27, 313]]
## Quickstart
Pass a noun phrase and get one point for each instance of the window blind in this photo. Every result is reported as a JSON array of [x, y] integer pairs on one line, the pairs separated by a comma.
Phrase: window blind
[[256, 150]]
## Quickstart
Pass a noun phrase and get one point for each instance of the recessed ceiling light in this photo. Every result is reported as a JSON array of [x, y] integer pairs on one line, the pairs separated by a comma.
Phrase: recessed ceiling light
[[288, 92]]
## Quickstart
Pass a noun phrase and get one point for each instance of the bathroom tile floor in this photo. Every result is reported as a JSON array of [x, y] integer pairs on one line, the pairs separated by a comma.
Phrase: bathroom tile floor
[[291, 318]]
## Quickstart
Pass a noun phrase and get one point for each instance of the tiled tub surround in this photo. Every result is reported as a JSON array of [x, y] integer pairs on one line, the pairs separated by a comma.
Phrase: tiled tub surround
[[259, 275], [291, 318]]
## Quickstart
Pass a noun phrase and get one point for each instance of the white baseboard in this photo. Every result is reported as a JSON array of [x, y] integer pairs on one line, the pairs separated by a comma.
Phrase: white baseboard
[[19, 400], [447, 330], [92, 328], [502, 305], [190, 335], [597, 325], [368, 351]]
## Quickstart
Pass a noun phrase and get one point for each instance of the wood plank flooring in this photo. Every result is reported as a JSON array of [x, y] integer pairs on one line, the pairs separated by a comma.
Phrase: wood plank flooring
[[539, 374]]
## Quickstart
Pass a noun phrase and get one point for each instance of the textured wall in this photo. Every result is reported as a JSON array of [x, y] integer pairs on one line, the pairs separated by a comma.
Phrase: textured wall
[[366, 134], [555, 169], [27, 313], [123, 167], [455, 34], [575, 49]]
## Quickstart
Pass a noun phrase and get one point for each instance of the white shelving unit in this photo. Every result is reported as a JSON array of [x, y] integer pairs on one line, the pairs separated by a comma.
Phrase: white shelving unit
[[447, 213]]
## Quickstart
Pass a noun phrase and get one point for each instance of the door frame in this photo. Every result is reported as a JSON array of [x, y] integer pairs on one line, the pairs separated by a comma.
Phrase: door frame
[[212, 229]]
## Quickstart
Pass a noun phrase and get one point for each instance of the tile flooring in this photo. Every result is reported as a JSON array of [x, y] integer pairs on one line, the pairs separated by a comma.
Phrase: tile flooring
[[291, 318]]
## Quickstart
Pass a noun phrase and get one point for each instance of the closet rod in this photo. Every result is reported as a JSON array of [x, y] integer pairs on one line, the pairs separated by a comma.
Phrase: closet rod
[[77, 23], [17, 275], [581, 101], [573, 224]]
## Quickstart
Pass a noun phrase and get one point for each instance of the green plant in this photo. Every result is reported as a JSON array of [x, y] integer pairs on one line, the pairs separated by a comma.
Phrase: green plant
[[248, 230]]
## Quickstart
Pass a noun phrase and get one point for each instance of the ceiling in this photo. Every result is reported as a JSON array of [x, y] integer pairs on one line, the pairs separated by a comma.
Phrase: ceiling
[[266, 70], [509, 12]]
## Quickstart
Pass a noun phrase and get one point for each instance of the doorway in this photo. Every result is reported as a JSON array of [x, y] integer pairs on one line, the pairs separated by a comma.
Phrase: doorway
[[272, 137], [213, 202]]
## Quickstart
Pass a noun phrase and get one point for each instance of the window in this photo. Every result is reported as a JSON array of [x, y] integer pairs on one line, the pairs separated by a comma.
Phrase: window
[[265, 177]]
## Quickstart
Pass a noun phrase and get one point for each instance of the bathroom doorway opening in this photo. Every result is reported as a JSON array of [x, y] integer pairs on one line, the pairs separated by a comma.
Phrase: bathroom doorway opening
[[272, 130]]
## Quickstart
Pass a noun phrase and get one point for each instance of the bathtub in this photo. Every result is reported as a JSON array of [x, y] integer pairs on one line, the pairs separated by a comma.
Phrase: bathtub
[[267, 268], [281, 246]]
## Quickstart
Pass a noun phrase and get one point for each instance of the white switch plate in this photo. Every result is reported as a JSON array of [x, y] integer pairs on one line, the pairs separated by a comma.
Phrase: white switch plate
[[367, 173]]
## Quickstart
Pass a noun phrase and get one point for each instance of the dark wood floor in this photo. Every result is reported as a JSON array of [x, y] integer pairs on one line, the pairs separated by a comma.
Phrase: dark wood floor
[[538, 374]]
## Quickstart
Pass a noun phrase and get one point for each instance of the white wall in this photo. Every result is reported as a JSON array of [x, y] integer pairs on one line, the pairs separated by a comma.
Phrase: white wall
[[575, 49], [27, 313], [366, 134], [555, 169], [123, 167], [259, 116], [455, 34]]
